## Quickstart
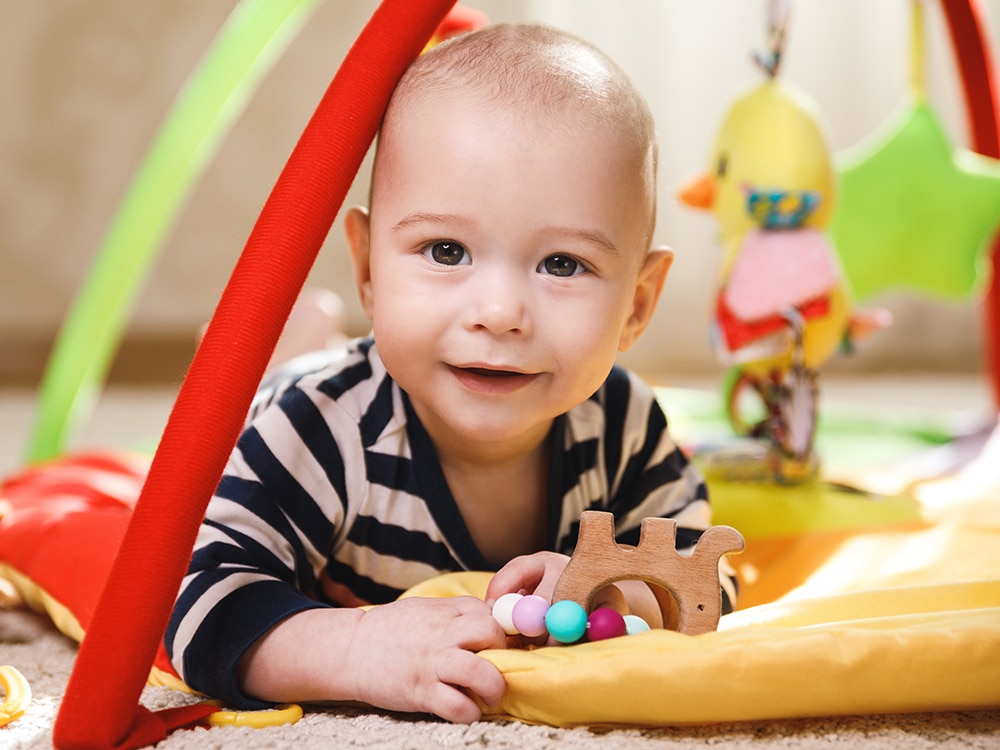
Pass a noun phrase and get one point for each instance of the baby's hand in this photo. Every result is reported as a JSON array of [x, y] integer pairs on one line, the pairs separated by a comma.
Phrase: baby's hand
[[528, 574], [538, 574], [417, 655]]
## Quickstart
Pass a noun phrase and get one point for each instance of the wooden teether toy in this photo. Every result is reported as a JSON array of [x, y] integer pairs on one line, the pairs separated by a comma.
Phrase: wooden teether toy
[[690, 599], [689, 594]]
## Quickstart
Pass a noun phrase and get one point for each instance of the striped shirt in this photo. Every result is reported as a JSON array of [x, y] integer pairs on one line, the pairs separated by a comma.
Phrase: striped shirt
[[334, 496]]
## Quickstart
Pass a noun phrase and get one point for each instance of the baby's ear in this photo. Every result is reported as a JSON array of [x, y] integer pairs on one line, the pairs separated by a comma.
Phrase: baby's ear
[[648, 286], [357, 227]]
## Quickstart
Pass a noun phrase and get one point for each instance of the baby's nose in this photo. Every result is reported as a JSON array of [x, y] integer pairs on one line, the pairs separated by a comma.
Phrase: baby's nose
[[499, 305]]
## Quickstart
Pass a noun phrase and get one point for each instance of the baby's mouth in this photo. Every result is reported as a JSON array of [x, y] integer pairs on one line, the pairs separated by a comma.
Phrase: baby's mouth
[[492, 380], [486, 372]]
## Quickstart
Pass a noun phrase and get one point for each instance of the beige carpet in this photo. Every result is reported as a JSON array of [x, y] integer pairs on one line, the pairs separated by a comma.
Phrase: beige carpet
[[45, 657]]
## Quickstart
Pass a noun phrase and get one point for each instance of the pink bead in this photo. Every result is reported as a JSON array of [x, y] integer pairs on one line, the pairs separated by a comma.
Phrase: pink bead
[[604, 623], [528, 615]]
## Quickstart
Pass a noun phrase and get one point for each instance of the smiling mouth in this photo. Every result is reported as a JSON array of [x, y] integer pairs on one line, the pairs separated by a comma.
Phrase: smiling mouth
[[490, 380], [488, 373]]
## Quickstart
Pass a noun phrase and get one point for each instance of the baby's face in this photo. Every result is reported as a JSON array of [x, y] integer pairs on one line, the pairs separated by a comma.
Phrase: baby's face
[[504, 259]]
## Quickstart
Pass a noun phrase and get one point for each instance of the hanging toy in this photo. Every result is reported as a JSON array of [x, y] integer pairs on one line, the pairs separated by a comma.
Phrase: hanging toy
[[782, 307], [914, 211], [686, 586]]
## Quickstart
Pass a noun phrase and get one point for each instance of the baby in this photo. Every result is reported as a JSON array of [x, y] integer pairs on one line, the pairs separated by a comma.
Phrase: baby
[[504, 261]]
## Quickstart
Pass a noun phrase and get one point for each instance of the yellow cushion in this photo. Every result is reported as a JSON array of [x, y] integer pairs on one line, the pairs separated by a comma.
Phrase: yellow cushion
[[891, 621]]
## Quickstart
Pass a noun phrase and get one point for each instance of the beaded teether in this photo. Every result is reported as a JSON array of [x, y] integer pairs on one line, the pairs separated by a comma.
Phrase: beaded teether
[[689, 596], [566, 621]]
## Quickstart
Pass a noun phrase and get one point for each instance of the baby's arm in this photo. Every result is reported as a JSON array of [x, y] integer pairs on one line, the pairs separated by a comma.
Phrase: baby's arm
[[414, 655]]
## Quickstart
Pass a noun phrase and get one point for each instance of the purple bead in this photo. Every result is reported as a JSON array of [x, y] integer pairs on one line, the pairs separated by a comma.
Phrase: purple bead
[[605, 623], [528, 615]]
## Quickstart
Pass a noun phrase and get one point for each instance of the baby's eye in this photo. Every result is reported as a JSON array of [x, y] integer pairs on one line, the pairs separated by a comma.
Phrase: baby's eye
[[561, 265], [447, 253]]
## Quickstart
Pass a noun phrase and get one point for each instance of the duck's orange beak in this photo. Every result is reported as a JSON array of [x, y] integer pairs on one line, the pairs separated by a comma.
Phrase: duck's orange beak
[[699, 193]]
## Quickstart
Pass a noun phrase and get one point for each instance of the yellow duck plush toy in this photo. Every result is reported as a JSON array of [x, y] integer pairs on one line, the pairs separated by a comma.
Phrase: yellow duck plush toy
[[772, 190], [782, 306]]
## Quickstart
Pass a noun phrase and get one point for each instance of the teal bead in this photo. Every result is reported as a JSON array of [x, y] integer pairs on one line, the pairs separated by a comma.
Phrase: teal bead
[[566, 621]]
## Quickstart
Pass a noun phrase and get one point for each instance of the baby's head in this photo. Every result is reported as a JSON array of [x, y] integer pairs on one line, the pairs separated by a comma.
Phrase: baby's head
[[506, 256], [549, 78]]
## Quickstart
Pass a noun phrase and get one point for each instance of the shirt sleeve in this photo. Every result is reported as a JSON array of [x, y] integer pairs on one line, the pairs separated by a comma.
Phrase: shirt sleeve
[[263, 541]]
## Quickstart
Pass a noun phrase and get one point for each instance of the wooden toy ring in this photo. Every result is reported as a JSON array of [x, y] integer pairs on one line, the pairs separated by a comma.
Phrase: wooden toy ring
[[17, 694], [689, 593]]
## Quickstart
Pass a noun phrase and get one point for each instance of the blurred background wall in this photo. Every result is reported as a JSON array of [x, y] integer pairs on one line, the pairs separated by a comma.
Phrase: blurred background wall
[[87, 83]]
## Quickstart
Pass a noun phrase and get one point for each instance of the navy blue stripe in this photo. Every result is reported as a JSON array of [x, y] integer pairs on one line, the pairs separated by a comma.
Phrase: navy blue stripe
[[344, 380], [393, 472], [361, 586], [246, 553], [207, 577], [617, 392], [432, 487], [667, 472], [308, 422], [229, 629], [281, 495], [635, 485], [378, 414], [395, 541], [577, 460], [255, 501]]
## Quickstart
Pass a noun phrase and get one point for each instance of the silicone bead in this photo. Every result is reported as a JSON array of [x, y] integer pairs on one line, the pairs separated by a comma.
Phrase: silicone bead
[[635, 624], [566, 621], [528, 615], [605, 623], [502, 610]]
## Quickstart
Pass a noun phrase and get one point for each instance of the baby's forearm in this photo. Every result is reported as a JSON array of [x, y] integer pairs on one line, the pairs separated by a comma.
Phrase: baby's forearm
[[415, 654], [302, 658]]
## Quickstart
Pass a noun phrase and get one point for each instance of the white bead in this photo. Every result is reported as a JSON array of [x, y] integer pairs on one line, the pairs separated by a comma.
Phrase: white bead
[[503, 612]]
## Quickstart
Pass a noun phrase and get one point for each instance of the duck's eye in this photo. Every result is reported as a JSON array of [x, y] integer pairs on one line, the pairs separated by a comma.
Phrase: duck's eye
[[447, 253], [722, 165]]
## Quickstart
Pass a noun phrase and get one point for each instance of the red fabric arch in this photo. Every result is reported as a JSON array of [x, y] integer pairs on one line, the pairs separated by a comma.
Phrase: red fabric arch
[[977, 68], [100, 708]]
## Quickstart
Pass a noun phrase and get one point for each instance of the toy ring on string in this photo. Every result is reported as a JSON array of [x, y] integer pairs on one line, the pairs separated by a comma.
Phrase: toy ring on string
[[17, 692], [288, 713]]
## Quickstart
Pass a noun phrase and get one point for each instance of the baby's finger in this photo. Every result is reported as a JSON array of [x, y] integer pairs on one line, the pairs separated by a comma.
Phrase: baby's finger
[[473, 673], [520, 574], [476, 632], [452, 704]]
